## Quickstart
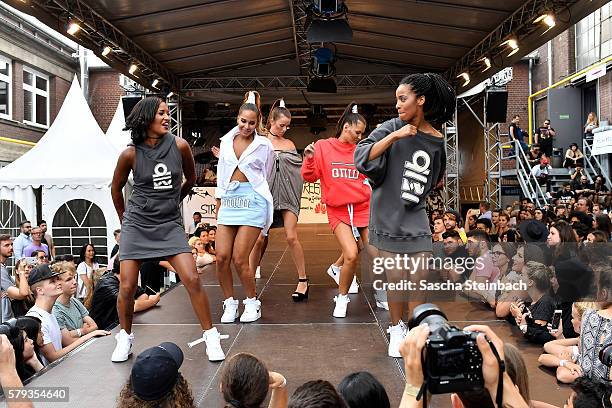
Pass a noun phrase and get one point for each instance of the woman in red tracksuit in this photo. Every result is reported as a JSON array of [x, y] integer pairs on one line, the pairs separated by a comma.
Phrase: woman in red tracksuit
[[345, 192]]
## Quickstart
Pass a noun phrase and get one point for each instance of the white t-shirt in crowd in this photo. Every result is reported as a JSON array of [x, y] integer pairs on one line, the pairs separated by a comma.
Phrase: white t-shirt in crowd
[[50, 329], [84, 269]]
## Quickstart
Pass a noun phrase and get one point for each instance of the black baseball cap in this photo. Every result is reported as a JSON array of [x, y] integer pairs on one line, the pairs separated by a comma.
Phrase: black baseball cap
[[156, 371], [41, 273]]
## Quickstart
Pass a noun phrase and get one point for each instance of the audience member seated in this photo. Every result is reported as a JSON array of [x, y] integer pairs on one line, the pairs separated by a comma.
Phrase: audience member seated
[[561, 353], [72, 317], [156, 382], [26, 361], [502, 255], [245, 382], [438, 229], [566, 194], [9, 378], [451, 221], [363, 390], [203, 257], [588, 394], [46, 288], [584, 189], [104, 302], [32, 327], [454, 250], [524, 254], [316, 394], [22, 271], [573, 158], [534, 319], [152, 274], [535, 155], [602, 194], [541, 172], [484, 269]]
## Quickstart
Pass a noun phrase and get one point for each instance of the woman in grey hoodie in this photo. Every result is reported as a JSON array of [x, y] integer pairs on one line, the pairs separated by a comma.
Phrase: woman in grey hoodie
[[404, 159]]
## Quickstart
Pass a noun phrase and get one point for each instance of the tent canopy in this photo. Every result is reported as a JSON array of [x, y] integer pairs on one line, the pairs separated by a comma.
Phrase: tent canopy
[[116, 135], [73, 152]]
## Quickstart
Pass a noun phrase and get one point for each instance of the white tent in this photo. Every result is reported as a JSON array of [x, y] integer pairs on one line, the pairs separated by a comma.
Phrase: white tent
[[118, 137], [73, 160]]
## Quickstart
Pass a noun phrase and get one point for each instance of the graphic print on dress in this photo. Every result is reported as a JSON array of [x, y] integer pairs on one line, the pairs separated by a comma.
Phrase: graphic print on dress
[[162, 177], [415, 175]]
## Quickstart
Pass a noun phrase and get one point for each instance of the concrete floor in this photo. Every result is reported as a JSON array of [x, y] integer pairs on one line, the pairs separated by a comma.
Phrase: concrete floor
[[301, 340]]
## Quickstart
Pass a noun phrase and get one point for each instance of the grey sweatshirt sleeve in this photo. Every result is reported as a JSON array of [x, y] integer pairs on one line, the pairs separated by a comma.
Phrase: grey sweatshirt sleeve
[[375, 169]]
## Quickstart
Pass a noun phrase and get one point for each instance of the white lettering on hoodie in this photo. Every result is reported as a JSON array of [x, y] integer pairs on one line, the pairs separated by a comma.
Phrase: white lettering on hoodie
[[415, 175]]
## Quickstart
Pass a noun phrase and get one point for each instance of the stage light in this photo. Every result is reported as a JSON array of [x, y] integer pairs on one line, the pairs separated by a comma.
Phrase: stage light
[[487, 63], [548, 20], [170, 95], [106, 50], [512, 43], [328, 22], [155, 83], [465, 76], [133, 69], [322, 64], [73, 28]]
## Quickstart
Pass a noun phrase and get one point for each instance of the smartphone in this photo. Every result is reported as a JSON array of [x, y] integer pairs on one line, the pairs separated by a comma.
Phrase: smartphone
[[556, 319], [31, 260]]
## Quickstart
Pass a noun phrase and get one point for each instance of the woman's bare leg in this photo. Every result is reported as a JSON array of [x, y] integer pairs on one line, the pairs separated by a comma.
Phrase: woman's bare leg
[[224, 244], [128, 281], [297, 252], [243, 245]]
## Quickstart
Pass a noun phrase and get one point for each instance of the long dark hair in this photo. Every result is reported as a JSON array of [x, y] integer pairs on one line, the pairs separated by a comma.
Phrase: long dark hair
[[244, 382], [349, 117], [604, 224], [141, 117], [440, 99], [179, 397], [254, 107], [363, 390], [276, 112], [15, 336], [84, 249]]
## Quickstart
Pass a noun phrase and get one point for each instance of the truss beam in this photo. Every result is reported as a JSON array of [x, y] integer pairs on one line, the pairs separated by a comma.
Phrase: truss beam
[[451, 177]]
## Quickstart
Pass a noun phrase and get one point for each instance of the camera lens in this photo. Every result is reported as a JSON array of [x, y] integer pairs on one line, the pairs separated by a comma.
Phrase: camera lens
[[430, 314]]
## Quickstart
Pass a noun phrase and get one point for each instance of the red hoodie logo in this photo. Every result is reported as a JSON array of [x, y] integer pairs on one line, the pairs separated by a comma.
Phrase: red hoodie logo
[[344, 170]]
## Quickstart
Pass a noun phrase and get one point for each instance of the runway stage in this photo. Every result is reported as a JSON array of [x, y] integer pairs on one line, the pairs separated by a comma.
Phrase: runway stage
[[300, 340]]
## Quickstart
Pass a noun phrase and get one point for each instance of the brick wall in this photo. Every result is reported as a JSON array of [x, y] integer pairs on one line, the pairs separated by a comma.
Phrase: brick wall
[[59, 88], [518, 91], [564, 55], [605, 97], [104, 95]]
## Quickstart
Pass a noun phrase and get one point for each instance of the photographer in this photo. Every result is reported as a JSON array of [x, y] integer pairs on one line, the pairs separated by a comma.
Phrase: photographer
[[411, 350]]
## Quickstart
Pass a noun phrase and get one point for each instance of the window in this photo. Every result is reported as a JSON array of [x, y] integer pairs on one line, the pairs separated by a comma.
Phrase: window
[[593, 37], [5, 87], [35, 97]]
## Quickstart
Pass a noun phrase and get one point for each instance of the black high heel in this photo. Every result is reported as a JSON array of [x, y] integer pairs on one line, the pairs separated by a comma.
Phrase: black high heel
[[297, 296]]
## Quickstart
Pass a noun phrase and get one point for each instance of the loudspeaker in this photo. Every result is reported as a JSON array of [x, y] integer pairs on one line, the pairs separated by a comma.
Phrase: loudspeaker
[[128, 104], [497, 106]]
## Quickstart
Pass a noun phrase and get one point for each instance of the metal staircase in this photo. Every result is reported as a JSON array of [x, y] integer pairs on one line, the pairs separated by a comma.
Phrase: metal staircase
[[592, 165]]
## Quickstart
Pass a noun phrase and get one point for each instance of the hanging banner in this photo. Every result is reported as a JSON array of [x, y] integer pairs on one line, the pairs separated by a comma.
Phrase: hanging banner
[[312, 210], [602, 142], [202, 200]]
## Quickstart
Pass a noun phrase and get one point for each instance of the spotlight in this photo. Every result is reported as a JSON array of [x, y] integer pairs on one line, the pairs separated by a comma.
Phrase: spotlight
[[322, 64], [328, 22], [170, 95], [548, 20], [487, 63], [154, 84], [73, 28], [512, 43], [106, 50], [466, 78], [133, 69]]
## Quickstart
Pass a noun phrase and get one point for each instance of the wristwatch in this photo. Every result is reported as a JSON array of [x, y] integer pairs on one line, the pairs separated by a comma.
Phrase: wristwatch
[[412, 390]]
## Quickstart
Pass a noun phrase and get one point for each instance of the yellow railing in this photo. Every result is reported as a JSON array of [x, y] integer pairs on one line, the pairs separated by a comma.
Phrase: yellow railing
[[16, 141], [561, 82]]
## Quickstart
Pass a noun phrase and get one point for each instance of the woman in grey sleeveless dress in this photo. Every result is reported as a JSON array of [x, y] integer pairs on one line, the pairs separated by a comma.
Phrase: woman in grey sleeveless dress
[[151, 225], [285, 180]]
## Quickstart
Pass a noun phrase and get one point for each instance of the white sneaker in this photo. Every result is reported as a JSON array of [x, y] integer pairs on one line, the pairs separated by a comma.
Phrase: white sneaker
[[382, 305], [397, 334], [334, 272], [342, 302], [123, 349], [258, 273], [230, 310], [213, 345], [354, 286], [252, 310]]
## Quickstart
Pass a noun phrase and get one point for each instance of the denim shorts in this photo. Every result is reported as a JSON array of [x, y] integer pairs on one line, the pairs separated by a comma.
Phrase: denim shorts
[[242, 205]]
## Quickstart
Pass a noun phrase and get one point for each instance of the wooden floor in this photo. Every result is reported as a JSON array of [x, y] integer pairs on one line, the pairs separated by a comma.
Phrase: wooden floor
[[300, 340]]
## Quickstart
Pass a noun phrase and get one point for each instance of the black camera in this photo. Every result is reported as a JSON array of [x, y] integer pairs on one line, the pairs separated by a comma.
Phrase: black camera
[[453, 362], [605, 355]]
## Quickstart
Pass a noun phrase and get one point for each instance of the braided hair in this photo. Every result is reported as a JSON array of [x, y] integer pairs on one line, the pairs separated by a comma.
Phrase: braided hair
[[276, 112], [440, 99], [350, 117], [254, 107]]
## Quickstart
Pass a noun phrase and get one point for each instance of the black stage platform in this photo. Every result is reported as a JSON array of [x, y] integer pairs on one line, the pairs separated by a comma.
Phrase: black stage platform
[[300, 340]]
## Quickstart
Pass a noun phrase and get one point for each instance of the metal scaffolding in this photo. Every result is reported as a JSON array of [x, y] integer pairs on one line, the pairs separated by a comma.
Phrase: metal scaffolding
[[288, 82], [451, 178], [176, 122]]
